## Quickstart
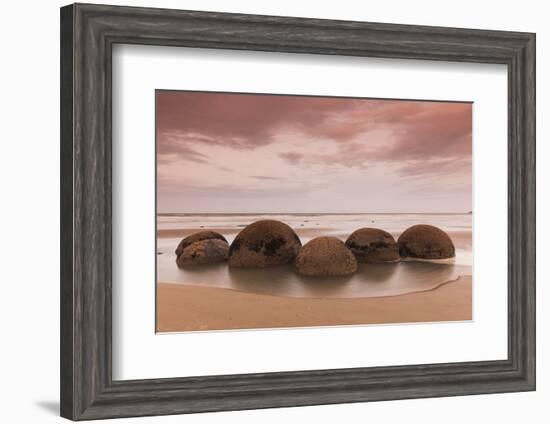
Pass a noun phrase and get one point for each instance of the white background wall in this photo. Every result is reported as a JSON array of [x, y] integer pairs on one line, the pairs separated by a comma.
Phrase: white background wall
[[29, 224]]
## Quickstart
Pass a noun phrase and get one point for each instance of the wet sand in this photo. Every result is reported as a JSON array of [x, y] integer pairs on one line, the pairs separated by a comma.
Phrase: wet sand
[[370, 280], [191, 308]]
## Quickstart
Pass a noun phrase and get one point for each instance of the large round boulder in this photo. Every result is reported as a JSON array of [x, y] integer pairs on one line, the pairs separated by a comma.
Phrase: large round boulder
[[425, 242], [203, 252], [201, 235], [372, 245], [324, 257], [264, 243]]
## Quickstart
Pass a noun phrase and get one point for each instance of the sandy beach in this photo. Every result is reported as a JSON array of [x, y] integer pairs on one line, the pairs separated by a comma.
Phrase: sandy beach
[[191, 308], [219, 297]]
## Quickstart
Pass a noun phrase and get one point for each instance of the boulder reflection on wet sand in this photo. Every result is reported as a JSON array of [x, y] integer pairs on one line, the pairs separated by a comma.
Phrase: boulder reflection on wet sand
[[375, 273], [370, 280]]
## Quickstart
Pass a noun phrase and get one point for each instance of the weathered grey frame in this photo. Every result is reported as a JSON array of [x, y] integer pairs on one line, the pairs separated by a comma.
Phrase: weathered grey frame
[[88, 33]]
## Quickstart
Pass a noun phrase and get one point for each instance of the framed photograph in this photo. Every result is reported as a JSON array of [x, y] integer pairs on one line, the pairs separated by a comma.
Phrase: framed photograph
[[261, 202], [262, 211]]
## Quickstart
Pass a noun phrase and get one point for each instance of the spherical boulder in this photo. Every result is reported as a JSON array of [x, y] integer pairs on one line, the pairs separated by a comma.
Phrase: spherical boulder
[[264, 243], [425, 242], [201, 235], [371, 245], [325, 257], [203, 252]]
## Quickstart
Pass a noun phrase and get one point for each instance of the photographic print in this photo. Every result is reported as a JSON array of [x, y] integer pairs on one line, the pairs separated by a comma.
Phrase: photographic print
[[278, 211]]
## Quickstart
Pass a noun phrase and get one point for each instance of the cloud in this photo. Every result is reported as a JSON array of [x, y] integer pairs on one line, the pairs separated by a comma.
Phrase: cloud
[[292, 157], [425, 130], [351, 155], [189, 190], [304, 143], [179, 151], [242, 121], [262, 177], [434, 167], [364, 129], [415, 134]]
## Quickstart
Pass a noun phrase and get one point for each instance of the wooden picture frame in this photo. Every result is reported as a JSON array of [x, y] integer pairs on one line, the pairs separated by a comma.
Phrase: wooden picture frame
[[88, 33]]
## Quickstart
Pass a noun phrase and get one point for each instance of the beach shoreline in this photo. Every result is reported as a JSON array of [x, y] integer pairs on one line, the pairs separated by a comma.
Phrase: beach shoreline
[[182, 308]]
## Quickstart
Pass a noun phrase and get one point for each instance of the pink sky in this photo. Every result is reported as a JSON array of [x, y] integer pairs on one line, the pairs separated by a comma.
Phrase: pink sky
[[232, 153]]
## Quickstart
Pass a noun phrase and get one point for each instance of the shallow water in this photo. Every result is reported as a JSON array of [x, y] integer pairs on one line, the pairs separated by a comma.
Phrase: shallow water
[[371, 280]]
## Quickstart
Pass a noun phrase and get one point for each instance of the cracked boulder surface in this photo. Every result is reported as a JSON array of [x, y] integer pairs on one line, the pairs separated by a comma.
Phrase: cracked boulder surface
[[201, 235], [425, 242], [373, 245], [264, 243], [324, 257], [203, 252]]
